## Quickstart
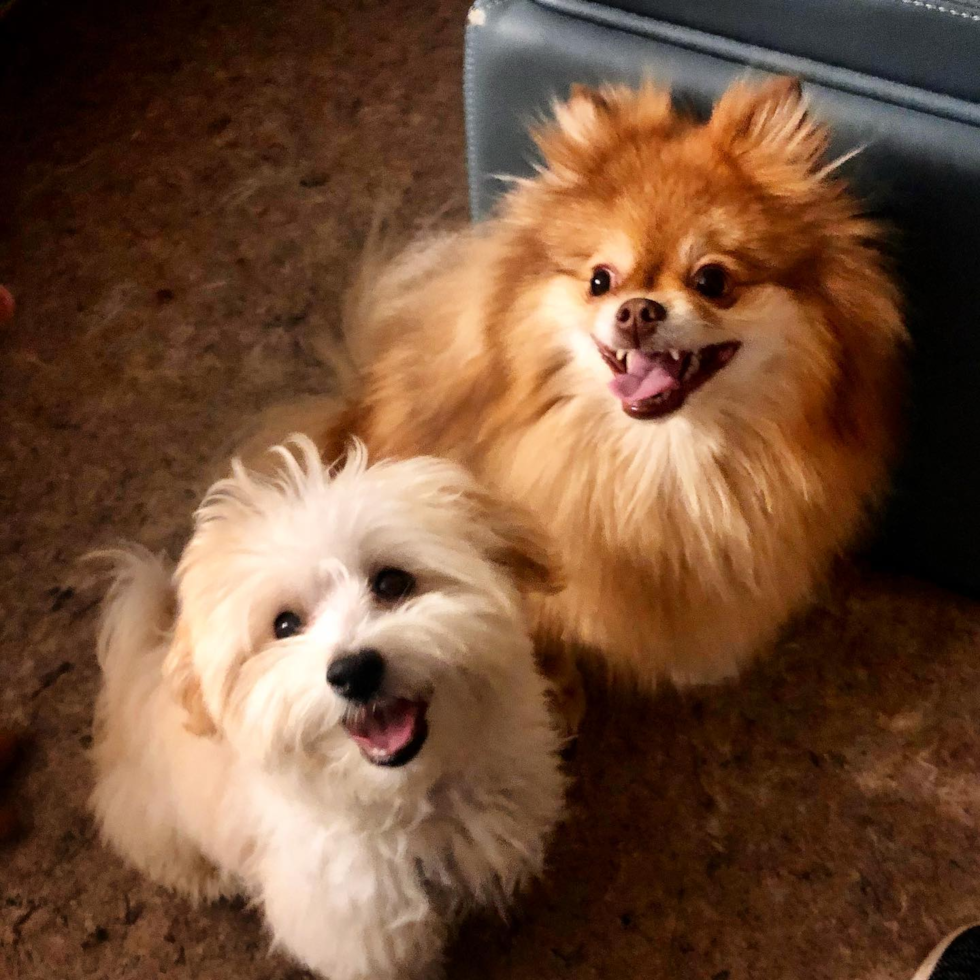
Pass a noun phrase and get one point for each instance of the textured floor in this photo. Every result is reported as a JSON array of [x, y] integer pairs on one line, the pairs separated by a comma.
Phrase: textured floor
[[182, 190]]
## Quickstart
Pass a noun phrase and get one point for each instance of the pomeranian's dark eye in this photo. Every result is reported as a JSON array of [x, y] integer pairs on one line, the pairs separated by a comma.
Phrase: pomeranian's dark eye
[[287, 624], [711, 281], [601, 281], [392, 584]]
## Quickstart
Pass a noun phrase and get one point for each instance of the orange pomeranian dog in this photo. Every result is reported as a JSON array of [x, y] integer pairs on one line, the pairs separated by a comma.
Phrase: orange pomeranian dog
[[678, 345]]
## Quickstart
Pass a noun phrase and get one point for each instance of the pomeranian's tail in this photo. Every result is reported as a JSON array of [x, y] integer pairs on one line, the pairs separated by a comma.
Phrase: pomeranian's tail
[[390, 284], [342, 350], [137, 613], [391, 272]]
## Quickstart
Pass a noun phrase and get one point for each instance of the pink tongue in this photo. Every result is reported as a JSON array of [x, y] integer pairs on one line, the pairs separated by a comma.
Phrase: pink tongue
[[647, 377], [386, 727]]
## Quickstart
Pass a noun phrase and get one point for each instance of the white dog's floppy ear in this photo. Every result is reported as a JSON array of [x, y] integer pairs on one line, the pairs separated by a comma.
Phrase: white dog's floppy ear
[[178, 670], [518, 543]]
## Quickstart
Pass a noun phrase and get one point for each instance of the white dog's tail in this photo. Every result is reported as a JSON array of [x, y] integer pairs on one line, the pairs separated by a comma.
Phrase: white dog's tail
[[137, 613]]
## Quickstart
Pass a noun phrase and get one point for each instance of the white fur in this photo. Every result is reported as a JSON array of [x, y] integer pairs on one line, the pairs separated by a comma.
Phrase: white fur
[[359, 869]]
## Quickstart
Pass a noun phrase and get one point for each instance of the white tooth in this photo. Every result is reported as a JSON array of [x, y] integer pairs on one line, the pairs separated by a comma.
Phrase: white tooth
[[675, 355], [620, 355]]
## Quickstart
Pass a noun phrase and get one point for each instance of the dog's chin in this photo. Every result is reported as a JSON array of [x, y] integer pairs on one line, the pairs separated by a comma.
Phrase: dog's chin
[[389, 731], [652, 384]]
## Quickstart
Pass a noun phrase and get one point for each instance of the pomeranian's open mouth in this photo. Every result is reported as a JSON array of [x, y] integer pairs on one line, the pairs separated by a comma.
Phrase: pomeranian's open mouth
[[388, 731], [652, 384]]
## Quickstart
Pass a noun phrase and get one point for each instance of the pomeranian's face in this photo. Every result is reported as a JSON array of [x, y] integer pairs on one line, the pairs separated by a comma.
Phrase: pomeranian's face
[[679, 263], [367, 617]]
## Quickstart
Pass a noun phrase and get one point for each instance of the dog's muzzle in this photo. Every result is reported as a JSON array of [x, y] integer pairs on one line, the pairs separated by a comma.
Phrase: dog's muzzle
[[389, 731]]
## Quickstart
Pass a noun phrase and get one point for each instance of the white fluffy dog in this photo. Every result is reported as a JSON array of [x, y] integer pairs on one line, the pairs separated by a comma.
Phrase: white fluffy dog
[[332, 707]]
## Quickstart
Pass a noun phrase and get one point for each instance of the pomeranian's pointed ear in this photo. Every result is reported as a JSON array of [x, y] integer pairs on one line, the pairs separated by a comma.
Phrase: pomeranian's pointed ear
[[769, 121], [589, 118], [518, 543], [179, 672], [566, 142]]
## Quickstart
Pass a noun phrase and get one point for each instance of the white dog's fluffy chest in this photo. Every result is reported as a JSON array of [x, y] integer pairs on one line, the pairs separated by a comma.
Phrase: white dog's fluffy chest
[[378, 882], [450, 843]]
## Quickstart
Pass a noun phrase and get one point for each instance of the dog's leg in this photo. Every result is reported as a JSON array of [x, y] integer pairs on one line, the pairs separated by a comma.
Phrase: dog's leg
[[143, 826], [135, 800], [559, 665]]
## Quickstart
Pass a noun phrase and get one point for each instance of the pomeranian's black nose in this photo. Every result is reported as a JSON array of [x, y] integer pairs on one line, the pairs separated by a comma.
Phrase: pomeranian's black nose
[[357, 676], [637, 319]]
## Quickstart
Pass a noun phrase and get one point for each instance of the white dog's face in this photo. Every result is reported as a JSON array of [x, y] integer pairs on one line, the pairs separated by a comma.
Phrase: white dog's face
[[359, 618]]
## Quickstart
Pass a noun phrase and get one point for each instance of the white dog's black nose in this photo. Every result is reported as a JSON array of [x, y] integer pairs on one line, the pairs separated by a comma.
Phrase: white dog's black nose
[[357, 676]]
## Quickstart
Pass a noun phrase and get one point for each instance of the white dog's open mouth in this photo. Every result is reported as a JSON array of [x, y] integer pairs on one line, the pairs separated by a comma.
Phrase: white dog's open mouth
[[652, 384], [389, 731]]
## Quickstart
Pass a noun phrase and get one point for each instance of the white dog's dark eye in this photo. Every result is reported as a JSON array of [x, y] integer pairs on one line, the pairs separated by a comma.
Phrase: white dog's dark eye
[[392, 584], [286, 624], [601, 281], [711, 281]]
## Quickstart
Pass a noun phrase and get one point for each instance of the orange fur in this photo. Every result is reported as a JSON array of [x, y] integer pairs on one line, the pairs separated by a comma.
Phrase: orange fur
[[688, 540]]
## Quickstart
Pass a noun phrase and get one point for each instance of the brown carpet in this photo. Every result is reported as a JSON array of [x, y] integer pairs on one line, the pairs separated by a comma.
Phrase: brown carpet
[[182, 190]]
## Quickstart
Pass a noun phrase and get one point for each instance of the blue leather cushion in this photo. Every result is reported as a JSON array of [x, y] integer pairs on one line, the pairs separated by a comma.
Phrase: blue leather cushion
[[920, 170], [933, 45]]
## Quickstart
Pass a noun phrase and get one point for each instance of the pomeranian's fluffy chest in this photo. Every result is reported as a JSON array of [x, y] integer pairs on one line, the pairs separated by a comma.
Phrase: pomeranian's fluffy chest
[[684, 549]]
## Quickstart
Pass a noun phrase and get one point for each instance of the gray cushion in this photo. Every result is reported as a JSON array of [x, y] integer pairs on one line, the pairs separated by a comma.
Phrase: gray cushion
[[920, 169]]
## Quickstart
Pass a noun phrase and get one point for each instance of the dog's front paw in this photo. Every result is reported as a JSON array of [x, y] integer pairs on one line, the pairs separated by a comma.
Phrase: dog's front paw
[[567, 703], [566, 695]]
